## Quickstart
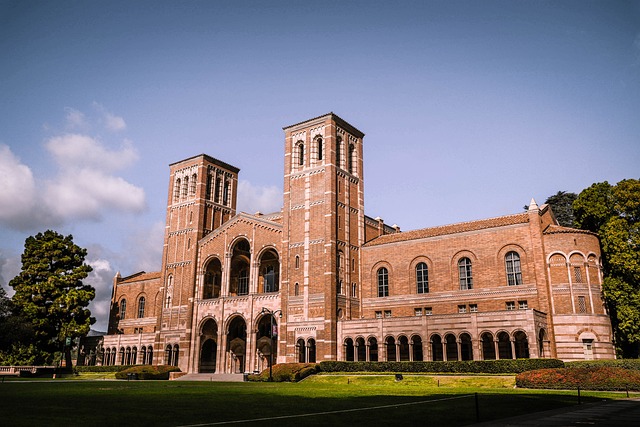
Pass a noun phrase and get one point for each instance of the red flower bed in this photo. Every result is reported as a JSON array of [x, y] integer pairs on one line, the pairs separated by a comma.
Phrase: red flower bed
[[600, 378]]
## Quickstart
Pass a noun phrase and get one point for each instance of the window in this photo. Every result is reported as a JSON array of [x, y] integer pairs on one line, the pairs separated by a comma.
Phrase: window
[[225, 195], [353, 264], [473, 308], [577, 273], [514, 275], [141, 302], [582, 304], [185, 186], [522, 305], [270, 279], [417, 311], [378, 315], [464, 271], [462, 308], [123, 309], [176, 190], [296, 289], [216, 195], [243, 282], [387, 313], [319, 142], [300, 150], [339, 287], [297, 261], [167, 301], [428, 311], [422, 278], [192, 187], [338, 151], [510, 305], [383, 282], [354, 290], [351, 159]]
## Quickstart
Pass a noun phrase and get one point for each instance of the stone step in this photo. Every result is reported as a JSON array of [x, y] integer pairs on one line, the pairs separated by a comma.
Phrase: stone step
[[212, 377]]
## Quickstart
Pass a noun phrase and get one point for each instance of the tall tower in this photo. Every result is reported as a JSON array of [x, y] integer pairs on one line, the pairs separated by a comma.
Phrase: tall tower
[[202, 196], [323, 230]]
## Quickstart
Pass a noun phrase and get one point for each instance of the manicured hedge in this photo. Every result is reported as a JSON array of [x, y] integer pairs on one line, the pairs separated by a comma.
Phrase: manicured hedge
[[600, 378], [286, 372], [147, 372], [503, 366], [110, 368], [633, 364]]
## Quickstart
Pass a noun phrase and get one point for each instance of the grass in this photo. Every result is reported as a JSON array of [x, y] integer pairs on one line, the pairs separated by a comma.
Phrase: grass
[[173, 403]]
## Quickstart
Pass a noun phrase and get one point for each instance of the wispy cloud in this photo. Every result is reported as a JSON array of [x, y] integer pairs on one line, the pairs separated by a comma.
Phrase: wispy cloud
[[86, 185], [253, 198], [111, 122]]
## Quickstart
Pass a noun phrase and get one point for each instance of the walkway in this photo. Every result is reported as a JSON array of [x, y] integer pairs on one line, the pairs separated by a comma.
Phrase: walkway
[[616, 413]]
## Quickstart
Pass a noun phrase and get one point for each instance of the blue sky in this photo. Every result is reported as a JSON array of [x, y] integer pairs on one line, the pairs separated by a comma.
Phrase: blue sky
[[470, 108]]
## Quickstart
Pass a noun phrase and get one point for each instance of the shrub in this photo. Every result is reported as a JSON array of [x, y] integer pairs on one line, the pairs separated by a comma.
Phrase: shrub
[[109, 368], [633, 364], [504, 366], [286, 372], [600, 378], [148, 372]]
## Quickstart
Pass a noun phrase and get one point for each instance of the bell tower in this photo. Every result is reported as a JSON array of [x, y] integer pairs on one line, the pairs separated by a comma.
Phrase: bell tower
[[323, 230], [202, 196]]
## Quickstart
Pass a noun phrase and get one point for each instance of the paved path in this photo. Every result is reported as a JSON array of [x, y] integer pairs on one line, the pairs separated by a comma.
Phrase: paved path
[[616, 413]]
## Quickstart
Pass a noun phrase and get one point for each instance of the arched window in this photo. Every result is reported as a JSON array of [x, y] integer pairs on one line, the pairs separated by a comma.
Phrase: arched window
[[300, 152], [464, 271], [141, 302], [296, 289], [192, 187], [185, 186], [351, 160], [422, 278], [168, 355], [302, 351], [514, 275], [176, 350], [225, 194], [150, 355], [383, 282], [320, 147], [354, 290], [338, 151], [134, 356], [123, 309], [311, 345], [270, 279], [176, 190], [297, 261]]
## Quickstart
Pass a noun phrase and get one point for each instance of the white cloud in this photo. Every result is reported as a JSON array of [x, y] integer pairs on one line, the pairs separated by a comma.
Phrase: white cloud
[[252, 198], [75, 119], [18, 196], [82, 151], [101, 278], [85, 186], [111, 122]]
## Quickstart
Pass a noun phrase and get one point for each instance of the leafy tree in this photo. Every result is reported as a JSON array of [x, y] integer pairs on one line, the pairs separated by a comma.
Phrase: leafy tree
[[614, 213], [562, 206], [16, 335], [50, 293]]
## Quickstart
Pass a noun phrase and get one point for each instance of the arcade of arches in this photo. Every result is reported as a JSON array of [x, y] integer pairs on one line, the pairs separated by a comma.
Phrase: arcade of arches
[[405, 348]]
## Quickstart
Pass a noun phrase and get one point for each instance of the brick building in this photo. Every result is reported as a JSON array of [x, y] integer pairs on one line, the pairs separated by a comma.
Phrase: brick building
[[320, 280]]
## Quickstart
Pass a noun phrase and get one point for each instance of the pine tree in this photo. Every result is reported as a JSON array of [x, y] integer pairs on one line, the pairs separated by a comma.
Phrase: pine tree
[[50, 294]]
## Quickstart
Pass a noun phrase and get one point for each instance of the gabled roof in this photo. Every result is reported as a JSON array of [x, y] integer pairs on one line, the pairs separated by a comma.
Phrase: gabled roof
[[558, 229], [340, 121], [139, 277], [443, 230], [242, 216]]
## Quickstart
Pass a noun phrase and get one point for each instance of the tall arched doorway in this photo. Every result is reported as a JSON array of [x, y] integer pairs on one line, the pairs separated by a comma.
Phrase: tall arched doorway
[[240, 261], [208, 346], [266, 341], [237, 344], [212, 279]]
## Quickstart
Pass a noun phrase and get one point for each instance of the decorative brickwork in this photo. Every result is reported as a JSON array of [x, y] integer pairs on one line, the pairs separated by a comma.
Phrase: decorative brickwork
[[319, 280]]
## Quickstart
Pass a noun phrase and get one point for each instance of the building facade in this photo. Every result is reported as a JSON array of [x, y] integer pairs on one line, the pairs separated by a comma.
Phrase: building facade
[[320, 280]]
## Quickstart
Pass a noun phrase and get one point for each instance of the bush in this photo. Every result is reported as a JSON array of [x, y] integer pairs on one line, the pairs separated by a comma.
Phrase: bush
[[600, 378], [633, 364], [286, 372], [147, 372], [109, 368], [504, 366]]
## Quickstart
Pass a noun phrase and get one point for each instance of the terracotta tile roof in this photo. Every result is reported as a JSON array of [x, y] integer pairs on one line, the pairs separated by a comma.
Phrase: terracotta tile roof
[[138, 277], [558, 229], [423, 233]]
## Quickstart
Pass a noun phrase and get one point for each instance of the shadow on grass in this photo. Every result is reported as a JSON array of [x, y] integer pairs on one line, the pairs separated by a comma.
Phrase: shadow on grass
[[189, 403]]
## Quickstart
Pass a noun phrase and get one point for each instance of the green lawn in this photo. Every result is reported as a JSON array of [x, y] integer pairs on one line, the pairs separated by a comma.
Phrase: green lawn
[[412, 401]]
